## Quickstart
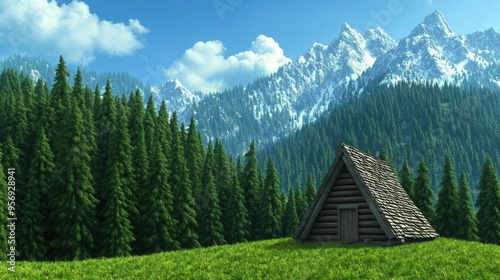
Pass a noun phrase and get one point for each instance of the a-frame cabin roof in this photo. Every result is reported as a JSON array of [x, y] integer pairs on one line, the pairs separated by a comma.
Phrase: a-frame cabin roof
[[396, 213]]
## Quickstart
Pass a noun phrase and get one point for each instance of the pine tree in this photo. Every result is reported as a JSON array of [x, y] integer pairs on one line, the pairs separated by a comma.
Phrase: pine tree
[[4, 245], [424, 196], [59, 93], [73, 201], [251, 184], [119, 202], [211, 229], [140, 160], [488, 203], [467, 226], [102, 165], [157, 227], [137, 137], [310, 192], [194, 158], [238, 224], [406, 179], [32, 227], [184, 202], [269, 222], [447, 205], [123, 157], [42, 108], [116, 230], [290, 219], [223, 180]]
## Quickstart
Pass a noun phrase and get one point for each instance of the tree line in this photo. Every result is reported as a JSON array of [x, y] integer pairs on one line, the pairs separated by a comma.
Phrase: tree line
[[99, 175], [416, 121], [454, 214]]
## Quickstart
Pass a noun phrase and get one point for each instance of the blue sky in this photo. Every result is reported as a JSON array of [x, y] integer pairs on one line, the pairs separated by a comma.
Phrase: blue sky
[[209, 44]]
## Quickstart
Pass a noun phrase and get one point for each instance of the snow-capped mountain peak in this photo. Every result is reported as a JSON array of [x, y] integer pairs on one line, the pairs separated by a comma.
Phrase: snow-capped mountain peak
[[378, 41], [434, 53], [434, 25], [176, 96]]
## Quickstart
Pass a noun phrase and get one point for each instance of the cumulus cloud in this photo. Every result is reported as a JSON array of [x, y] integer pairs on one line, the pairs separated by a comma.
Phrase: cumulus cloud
[[45, 27], [205, 67]]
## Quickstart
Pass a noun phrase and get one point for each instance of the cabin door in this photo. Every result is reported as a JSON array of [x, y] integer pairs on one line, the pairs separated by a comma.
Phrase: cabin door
[[348, 224]]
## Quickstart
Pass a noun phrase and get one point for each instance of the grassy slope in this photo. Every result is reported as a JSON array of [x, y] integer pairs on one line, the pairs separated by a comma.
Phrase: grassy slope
[[285, 259]]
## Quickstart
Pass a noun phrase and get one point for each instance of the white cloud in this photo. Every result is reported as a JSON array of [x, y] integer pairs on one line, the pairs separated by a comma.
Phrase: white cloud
[[204, 67], [45, 27]]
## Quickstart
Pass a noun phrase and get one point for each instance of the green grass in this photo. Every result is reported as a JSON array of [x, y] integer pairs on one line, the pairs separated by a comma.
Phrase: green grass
[[285, 259]]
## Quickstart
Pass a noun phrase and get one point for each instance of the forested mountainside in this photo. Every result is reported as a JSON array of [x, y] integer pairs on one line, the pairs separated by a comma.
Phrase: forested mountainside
[[416, 121], [300, 92]]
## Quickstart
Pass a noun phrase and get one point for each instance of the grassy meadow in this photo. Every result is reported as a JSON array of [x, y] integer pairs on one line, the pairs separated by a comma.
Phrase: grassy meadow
[[285, 259]]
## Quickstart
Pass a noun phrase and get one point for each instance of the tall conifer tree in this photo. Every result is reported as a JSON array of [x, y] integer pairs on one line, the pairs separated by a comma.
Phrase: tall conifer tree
[[406, 179], [116, 229], [223, 180], [488, 203], [467, 226], [137, 138], [119, 189], [211, 229], [290, 219], [238, 224], [251, 184], [105, 122], [424, 196], [447, 205], [310, 191], [73, 201], [184, 202], [301, 203], [269, 219], [33, 226], [157, 232]]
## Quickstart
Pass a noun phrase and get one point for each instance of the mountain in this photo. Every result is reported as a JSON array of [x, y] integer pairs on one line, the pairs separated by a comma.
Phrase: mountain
[[300, 92], [296, 94], [434, 53], [177, 97]]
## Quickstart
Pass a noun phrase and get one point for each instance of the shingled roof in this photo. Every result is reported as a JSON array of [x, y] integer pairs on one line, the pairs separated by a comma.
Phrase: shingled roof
[[396, 213]]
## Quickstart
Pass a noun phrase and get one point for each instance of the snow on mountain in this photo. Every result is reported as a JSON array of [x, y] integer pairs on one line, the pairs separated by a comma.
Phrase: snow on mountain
[[308, 86], [177, 97], [298, 92], [433, 52], [302, 91]]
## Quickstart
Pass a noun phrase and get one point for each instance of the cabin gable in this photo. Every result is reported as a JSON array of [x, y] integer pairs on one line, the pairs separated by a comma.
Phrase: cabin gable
[[345, 215], [360, 200]]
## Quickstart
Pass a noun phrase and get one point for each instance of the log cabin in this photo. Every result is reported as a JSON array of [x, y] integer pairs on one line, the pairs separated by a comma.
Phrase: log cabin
[[361, 200]]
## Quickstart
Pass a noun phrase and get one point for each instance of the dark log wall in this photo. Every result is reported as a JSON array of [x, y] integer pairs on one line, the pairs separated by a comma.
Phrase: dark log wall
[[345, 191]]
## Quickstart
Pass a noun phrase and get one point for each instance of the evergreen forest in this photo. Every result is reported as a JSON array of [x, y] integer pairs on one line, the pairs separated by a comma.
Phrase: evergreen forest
[[406, 121], [91, 174]]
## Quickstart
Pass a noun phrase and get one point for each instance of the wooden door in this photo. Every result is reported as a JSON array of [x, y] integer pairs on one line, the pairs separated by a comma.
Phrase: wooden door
[[348, 225]]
